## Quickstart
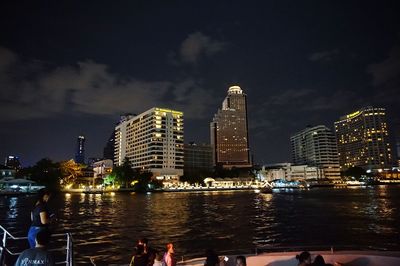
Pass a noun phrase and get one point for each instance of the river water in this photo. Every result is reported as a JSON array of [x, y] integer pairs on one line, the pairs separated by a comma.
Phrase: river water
[[107, 226]]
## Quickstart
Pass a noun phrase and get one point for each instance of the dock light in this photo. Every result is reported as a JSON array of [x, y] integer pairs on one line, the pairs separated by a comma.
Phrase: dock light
[[257, 191], [112, 193], [67, 195]]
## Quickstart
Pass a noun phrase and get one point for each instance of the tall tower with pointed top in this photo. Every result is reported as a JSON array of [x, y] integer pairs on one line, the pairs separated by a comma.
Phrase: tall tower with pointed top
[[229, 131], [80, 150]]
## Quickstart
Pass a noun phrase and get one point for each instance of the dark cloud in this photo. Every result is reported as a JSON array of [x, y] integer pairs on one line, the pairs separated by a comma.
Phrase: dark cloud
[[89, 87], [7, 58], [194, 47], [387, 70], [324, 55]]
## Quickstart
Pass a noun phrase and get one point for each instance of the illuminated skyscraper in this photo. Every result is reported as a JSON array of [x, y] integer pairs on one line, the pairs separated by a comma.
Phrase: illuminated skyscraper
[[80, 150], [152, 141], [229, 131], [363, 139], [316, 146]]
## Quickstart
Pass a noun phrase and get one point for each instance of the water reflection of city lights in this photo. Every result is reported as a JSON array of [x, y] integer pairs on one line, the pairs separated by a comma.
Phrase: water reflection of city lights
[[266, 197]]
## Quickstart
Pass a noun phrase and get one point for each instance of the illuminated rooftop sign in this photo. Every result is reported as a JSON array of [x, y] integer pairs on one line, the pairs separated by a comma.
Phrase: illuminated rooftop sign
[[353, 114]]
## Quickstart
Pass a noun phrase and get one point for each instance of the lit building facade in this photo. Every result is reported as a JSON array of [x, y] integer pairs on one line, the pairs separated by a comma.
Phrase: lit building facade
[[229, 131], [102, 168], [152, 141], [316, 146], [289, 172], [80, 150], [363, 139], [198, 159]]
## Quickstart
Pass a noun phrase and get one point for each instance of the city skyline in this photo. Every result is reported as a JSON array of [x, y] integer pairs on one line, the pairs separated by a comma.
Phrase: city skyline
[[299, 63]]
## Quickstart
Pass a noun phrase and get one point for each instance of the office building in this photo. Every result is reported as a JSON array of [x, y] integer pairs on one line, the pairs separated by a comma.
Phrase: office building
[[316, 146], [198, 159], [80, 150], [229, 131], [363, 139], [152, 141]]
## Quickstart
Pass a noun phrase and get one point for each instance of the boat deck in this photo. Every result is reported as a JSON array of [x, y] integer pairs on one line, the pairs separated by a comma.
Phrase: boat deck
[[348, 258]]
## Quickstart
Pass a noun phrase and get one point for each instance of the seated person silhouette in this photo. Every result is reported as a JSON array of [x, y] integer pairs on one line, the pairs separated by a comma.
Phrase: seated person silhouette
[[37, 256]]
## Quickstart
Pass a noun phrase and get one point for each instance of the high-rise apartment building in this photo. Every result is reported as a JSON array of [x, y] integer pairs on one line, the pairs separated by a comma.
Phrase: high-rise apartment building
[[80, 150], [316, 146], [363, 139], [152, 141], [229, 131]]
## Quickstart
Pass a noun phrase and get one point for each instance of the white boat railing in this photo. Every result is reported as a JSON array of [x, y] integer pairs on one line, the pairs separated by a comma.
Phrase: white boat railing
[[6, 251]]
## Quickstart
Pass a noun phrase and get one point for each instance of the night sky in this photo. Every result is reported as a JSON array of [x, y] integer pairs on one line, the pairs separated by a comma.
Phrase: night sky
[[70, 68]]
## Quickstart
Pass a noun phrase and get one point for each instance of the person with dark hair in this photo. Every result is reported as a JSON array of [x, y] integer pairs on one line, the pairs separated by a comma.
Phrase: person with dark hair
[[38, 256], [40, 216], [211, 258], [319, 261], [150, 252], [241, 261], [304, 258], [140, 258]]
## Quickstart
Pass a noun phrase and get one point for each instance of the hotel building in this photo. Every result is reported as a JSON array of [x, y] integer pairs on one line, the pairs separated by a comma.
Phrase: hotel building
[[229, 131], [363, 139], [152, 141], [316, 146]]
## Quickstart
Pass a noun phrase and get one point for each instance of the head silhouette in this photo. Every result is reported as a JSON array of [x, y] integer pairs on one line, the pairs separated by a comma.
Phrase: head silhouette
[[304, 257]]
